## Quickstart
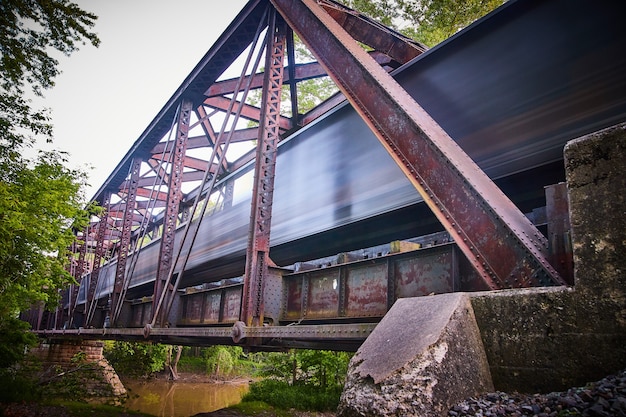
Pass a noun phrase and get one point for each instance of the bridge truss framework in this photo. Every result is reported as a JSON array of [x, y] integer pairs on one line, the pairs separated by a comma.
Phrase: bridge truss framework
[[172, 175]]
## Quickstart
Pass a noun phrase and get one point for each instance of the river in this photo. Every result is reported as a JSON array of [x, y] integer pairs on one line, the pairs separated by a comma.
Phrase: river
[[181, 399]]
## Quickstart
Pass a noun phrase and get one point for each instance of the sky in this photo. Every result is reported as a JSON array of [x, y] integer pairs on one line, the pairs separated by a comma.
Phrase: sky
[[106, 96]]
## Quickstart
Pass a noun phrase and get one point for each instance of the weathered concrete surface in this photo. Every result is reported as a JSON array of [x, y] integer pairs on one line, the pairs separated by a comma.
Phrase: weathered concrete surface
[[541, 340], [424, 356]]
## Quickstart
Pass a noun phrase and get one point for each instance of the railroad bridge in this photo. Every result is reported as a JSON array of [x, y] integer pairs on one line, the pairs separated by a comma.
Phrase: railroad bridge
[[243, 214]]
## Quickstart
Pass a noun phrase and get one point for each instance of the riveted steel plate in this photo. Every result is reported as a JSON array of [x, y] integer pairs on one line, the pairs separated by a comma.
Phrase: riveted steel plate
[[232, 304], [366, 291], [323, 294], [431, 272]]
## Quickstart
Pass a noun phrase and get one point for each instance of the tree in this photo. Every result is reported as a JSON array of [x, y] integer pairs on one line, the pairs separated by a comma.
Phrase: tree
[[40, 198], [426, 21]]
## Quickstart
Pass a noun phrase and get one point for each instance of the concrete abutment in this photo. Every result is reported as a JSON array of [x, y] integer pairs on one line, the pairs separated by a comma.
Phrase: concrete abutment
[[534, 340]]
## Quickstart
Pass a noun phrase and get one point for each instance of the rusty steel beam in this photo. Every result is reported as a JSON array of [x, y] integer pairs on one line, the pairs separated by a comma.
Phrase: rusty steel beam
[[187, 176], [257, 254], [371, 33], [500, 242], [97, 260], [295, 73], [193, 142], [208, 129], [174, 197], [124, 244], [78, 273], [247, 112], [355, 333], [152, 194]]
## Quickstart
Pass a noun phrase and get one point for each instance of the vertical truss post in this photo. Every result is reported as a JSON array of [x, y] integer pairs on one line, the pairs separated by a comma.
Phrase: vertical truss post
[[171, 211], [257, 255], [78, 274], [100, 250], [293, 85], [127, 228], [499, 241]]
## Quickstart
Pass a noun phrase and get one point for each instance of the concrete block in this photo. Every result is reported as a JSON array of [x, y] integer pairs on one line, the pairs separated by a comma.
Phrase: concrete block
[[423, 357], [595, 166]]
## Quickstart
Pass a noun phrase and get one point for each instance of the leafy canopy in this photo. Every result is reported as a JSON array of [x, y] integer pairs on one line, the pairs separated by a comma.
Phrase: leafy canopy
[[427, 21], [40, 198]]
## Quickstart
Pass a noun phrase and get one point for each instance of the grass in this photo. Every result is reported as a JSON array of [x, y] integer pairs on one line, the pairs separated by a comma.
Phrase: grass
[[259, 408], [281, 395]]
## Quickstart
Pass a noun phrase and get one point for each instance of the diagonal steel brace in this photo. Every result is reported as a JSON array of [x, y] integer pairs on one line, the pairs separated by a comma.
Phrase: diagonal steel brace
[[503, 246]]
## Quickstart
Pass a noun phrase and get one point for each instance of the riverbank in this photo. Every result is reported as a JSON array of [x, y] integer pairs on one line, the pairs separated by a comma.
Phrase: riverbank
[[606, 397]]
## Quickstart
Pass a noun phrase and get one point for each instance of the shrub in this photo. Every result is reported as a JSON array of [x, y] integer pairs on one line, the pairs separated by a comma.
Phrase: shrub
[[136, 359], [301, 397]]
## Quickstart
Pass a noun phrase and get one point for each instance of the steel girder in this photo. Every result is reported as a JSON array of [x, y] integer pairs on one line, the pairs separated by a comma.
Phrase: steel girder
[[174, 197], [257, 255], [501, 243], [125, 239], [100, 250], [78, 274]]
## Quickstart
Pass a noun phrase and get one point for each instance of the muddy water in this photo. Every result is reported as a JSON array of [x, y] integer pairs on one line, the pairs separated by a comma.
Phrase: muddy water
[[181, 399]]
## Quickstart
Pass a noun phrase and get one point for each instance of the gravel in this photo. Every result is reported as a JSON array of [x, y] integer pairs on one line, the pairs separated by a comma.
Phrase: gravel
[[606, 397]]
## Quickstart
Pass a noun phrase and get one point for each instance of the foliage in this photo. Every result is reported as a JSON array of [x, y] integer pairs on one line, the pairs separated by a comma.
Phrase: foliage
[[301, 379], [30, 31], [40, 199], [426, 21], [318, 368], [39, 202], [14, 339], [219, 362], [135, 359], [302, 397], [19, 383]]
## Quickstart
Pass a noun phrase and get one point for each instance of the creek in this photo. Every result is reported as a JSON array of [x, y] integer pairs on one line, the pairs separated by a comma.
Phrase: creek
[[181, 399]]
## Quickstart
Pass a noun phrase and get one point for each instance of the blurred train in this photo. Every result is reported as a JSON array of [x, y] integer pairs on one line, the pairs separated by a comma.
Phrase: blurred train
[[511, 89]]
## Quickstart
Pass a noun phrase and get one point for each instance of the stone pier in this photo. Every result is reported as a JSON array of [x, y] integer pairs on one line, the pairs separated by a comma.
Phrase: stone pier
[[68, 354]]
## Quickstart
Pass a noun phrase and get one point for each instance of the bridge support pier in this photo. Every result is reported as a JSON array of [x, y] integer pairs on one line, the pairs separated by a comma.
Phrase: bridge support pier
[[549, 339], [63, 353], [424, 356], [534, 339]]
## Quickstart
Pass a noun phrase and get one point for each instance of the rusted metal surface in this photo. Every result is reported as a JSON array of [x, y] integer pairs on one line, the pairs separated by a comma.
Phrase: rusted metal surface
[[99, 253], [257, 254], [78, 273], [124, 244], [366, 292], [372, 33], [336, 336], [559, 237], [218, 305], [323, 294], [173, 201], [140, 313], [434, 272], [368, 288], [502, 245]]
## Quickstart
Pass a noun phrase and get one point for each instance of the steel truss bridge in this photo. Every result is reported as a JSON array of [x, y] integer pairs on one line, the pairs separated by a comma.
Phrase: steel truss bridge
[[245, 214]]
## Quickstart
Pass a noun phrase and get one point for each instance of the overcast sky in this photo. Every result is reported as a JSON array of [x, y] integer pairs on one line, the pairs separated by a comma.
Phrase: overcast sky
[[107, 96]]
